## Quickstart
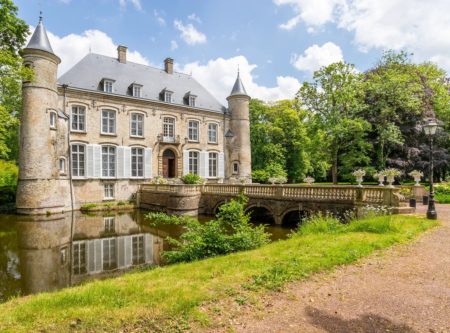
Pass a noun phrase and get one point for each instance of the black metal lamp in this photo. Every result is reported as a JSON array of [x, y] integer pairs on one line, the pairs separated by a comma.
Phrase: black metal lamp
[[430, 130]]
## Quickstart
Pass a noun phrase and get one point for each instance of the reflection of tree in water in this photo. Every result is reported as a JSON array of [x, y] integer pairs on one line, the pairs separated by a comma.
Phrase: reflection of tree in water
[[10, 284]]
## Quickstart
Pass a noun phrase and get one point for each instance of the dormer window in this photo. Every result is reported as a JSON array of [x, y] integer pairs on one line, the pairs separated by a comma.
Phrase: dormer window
[[192, 100], [108, 85], [168, 96], [135, 90], [189, 99]]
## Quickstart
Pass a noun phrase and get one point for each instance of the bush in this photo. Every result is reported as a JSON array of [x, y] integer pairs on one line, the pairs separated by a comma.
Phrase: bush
[[9, 173], [191, 178], [230, 231], [260, 176], [272, 173]]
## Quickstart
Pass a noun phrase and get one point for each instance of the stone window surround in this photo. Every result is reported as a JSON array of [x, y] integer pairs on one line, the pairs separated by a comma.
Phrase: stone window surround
[[210, 152], [198, 130], [76, 143], [101, 121], [53, 118], [77, 105], [216, 130], [108, 191], [143, 124], [198, 161], [142, 155], [62, 167]]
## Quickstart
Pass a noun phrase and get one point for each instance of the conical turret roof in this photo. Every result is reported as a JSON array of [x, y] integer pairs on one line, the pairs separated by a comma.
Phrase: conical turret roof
[[238, 88], [39, 40]]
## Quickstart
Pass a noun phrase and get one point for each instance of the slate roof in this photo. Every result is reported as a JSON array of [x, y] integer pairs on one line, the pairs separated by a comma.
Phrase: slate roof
[[238, 88], [39, 40], [89, 72]]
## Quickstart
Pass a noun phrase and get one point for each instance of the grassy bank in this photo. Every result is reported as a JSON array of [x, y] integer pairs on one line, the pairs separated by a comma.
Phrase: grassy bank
[[167, 298]]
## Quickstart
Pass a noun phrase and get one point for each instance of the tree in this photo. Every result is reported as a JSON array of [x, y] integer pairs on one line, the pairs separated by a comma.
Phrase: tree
[[335, 100], [13, 33]]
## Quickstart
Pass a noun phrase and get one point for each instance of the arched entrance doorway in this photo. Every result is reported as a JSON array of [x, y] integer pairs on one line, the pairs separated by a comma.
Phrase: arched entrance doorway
[[169, 164]]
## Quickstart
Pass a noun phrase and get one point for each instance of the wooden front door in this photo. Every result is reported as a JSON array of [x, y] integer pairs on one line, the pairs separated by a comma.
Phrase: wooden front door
[[169, 164]]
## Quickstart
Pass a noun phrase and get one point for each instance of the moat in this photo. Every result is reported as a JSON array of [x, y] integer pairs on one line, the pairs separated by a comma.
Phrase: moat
[[51, 254]]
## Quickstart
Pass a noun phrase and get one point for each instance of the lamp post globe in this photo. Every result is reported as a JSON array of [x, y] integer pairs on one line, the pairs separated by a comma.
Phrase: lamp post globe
[[430, 130]]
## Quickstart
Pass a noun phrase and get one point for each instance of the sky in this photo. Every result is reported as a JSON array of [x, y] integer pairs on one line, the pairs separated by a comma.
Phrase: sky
[[276, 44]]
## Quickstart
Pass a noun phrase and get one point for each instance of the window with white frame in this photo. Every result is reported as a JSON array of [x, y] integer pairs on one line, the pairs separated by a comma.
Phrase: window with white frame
[[108, 161], [192, 100], [212, 164], [193, 126], [137, 243], [194, 162], [109, 223], [78, 119], [137, 124], [108, 122], [108, 86], [79, 258], [137, 162], [62, 165], [78, 160], [235, 168], [109, 254], [136, 91], [212, 133], [169, 128], [108, 191], [168, 96], [52, 119]]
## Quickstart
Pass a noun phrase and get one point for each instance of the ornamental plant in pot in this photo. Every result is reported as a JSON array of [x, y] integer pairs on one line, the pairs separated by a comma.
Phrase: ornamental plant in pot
[[309, 180], [391, 173], [380, 175], [359, 174], [417, 175]]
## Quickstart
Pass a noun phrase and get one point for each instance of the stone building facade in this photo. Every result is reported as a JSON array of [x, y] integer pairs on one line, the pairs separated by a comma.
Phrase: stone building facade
[[108, 125]]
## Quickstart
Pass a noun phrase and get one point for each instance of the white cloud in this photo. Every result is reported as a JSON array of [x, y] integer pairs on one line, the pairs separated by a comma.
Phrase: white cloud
[[311, 12], [317, 56], [218, 76], [72, 48], [189, 33], [417, 26], [173, 45], [135, 3], [194, 17], [161, 21]]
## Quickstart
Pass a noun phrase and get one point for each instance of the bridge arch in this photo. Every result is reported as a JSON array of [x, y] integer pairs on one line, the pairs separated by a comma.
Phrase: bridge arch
[[217, 206], [260, 213], [294, 216]]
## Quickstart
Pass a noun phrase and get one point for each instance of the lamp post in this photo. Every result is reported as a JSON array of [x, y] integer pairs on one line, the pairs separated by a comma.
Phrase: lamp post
[[430, 131]]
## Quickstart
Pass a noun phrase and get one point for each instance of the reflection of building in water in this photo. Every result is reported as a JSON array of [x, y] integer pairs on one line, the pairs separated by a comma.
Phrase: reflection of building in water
[[55, 254]]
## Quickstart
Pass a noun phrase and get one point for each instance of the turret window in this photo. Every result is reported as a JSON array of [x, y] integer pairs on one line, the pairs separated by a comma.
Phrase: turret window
[[212, 133], [193, 126], [108, 122], [52, 120], [62, 165], [235, 168], [78, 119]]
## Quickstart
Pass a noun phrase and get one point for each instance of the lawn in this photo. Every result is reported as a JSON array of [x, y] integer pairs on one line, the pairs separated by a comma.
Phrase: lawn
[[168, 298]]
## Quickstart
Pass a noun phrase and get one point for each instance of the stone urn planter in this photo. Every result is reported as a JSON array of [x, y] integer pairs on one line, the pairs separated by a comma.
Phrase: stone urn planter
[[309, 180], [359, 174], [380, 177], [391, 173], [417, 175]]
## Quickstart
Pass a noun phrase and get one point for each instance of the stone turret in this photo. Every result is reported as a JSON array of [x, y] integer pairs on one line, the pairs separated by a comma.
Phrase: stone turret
[[239, 160], [40, 189]]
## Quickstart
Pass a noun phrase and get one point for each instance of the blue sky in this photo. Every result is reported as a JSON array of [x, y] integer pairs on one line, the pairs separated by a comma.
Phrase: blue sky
[[276, 43]]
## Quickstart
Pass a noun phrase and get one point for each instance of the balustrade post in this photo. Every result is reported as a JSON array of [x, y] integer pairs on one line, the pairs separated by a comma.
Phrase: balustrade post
[[388, 194], [280, 191]]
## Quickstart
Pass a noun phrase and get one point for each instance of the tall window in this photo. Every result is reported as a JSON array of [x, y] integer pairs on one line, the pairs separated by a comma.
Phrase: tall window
[[62, 165], [168, 96], [212, 163], [52, 119], [108, 161], [169, 128], [79, 258], [192, 101], [193, 162], [235, 168], [137, 124], [137, 162], [138, 249], [212, 133], [108, 191], [136, 91], [109, 224], [78, 118], [107, 86], [108, 122], [109, 254], [193, 130], [78, 160]]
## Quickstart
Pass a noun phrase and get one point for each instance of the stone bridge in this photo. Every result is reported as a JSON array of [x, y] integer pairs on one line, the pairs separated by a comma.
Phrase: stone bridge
[[276, 202]]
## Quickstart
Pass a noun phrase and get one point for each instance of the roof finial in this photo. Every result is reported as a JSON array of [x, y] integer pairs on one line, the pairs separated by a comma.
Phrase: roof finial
[[40, 16], [238, 69]]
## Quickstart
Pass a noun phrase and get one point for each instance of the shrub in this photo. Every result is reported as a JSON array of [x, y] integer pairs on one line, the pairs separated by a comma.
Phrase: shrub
[[191, 178], [121, 203], [230, 231], [320, 223], [9, 173], [88, 206], [260, 176]]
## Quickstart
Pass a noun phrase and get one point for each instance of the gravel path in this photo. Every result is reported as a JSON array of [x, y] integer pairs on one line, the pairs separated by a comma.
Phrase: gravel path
[[406, 289]]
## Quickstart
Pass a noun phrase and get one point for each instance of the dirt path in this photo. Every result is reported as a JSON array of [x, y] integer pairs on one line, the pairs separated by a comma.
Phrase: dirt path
[[407, 289]]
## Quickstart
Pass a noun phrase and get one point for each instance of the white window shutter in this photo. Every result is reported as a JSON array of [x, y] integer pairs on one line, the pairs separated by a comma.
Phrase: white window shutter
[[202, 165], [148, 246], [185, 162], [148, 163], [126, 162], [97, 161], [119, 162], [89, 161], [221, 165]]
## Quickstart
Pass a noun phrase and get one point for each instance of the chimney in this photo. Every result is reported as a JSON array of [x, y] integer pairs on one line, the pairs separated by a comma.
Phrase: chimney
[[122, 54], [168, 65]]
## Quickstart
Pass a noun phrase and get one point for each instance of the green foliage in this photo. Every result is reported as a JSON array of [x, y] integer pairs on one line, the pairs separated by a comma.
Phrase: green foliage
[[442, 193], [231, 231], [260, 176], [8, 182], [191, 178], [88, 206], [271, 171]]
